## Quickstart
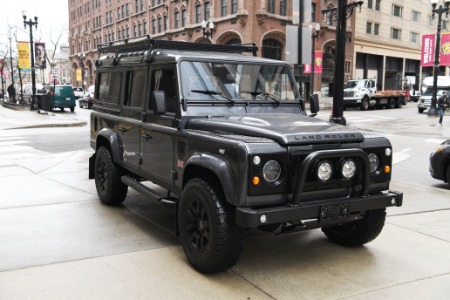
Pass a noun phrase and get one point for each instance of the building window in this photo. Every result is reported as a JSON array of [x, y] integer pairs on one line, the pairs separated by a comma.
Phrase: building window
[[183, 17], [234, 6], [330, 16], [430, 20], [313, 12], [396, 33], [134, 30], [415, 16], [397, 10], [376, 29], [414, 37], [271, 6], [347, 66], [369, 27], [370, 4], [177, 19], [118, 13], [377, 5], [145, 27], [282, 7], [159, 24], [444, 25], [272, 49], [223, 8], [165, 23], [140, 29], [206, 12], [198, 14], [137, 6], [153, 26]]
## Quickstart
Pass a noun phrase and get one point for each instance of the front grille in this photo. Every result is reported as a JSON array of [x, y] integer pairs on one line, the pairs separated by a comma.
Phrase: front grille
[[349, 94]]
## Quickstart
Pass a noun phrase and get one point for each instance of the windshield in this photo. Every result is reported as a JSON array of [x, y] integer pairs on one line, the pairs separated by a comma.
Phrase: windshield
[[355, 83], [236, 81], [429, 91]]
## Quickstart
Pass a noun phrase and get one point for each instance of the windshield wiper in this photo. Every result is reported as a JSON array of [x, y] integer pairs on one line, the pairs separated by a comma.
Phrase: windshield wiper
[[211, 92], [267, 95]]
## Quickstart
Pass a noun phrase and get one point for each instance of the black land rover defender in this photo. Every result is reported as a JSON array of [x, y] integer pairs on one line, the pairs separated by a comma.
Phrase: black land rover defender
[[225, 134]]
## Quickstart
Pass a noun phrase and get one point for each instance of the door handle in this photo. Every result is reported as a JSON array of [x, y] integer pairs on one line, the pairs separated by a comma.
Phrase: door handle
[[123, 129], [146, 137]]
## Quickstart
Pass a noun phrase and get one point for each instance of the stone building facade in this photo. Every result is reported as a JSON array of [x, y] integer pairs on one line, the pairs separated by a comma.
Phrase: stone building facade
[[263, 22]]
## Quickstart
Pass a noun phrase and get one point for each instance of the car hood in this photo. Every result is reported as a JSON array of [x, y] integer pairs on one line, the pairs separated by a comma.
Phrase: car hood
[[286, 129]]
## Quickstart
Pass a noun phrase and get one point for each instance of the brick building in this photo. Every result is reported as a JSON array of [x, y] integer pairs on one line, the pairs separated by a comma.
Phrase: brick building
[[263, 22]]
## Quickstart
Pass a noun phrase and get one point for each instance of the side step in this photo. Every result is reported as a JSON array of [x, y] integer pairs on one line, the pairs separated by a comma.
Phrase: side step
[[146, 191]]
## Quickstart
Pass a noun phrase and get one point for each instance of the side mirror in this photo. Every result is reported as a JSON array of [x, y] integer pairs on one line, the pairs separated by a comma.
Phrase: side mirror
[[159, 102], [314, 104]]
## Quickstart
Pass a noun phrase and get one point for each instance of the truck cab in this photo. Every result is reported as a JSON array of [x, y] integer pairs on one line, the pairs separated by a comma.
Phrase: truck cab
[[443, 84], [358, 92]]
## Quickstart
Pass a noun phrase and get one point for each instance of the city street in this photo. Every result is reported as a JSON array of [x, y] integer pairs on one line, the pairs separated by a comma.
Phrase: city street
[[59, 242]]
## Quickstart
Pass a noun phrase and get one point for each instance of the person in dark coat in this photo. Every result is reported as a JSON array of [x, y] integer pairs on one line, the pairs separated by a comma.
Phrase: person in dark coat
[[442, 105], [12, 92]]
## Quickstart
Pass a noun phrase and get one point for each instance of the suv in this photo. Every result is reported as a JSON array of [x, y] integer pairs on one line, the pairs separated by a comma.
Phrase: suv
[[225, 134], [78, 92]]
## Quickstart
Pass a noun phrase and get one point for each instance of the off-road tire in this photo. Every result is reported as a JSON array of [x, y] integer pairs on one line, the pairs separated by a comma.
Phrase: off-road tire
[[365, 103], [359, 232], [391, 103], [421, 110], [110, 189], [210, 237], [72, 108]]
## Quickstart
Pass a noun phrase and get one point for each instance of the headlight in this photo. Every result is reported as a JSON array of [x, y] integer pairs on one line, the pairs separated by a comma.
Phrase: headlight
[[348, 168], [324, 171], [271, 171], [374, 162]]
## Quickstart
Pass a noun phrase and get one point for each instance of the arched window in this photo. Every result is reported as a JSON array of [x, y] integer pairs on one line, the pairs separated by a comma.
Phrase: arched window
[[272, 49]]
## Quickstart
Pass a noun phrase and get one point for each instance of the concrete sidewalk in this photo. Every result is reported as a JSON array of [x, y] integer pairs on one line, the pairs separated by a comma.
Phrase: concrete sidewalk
[[14, 119], [61, 243]]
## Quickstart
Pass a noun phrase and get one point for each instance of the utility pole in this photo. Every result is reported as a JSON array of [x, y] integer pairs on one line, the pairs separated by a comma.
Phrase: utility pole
[[11, 60]]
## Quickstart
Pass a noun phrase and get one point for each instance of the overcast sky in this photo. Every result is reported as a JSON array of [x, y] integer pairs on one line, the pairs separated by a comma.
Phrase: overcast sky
[[53, 18]]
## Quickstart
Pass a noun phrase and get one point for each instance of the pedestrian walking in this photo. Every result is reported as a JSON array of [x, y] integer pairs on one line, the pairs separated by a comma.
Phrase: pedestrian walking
[[12, 92], [442, 105]]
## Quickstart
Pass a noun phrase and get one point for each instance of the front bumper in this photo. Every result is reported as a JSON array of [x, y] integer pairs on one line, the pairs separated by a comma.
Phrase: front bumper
[[322, 212]]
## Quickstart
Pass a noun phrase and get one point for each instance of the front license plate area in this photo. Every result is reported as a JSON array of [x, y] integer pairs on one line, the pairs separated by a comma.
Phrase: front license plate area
[[334, 212]]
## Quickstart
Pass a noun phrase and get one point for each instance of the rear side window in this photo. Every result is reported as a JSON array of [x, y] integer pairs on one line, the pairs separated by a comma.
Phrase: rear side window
[[115, 85], [103, 90], [135, 93]]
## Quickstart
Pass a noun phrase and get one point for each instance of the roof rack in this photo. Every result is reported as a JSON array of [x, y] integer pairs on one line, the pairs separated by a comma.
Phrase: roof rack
[[150, 44]]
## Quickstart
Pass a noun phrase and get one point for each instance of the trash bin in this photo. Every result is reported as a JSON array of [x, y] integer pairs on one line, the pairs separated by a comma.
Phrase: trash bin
[[45, 102]]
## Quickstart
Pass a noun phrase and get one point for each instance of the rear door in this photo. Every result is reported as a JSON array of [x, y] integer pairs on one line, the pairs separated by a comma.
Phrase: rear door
[[128, 128]]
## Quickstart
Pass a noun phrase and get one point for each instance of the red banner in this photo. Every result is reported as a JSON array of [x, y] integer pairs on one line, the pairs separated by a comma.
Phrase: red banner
[[445, 50], [427, 55], [318, 61]]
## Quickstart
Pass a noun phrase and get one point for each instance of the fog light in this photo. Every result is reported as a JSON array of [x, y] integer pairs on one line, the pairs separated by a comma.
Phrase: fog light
[[256, 160], [263, 219], [324, 171], [256, 180], [387, 169], [348, 169]]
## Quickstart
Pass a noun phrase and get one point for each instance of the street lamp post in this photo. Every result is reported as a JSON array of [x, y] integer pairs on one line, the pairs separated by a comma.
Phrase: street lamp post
[[439, 11], [341, 14], [314, 37], [30, 23], [208, 28]]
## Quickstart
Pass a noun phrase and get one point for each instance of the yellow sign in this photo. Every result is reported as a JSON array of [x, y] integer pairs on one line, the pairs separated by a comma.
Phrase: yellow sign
[[78, 74], [24, 55]]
